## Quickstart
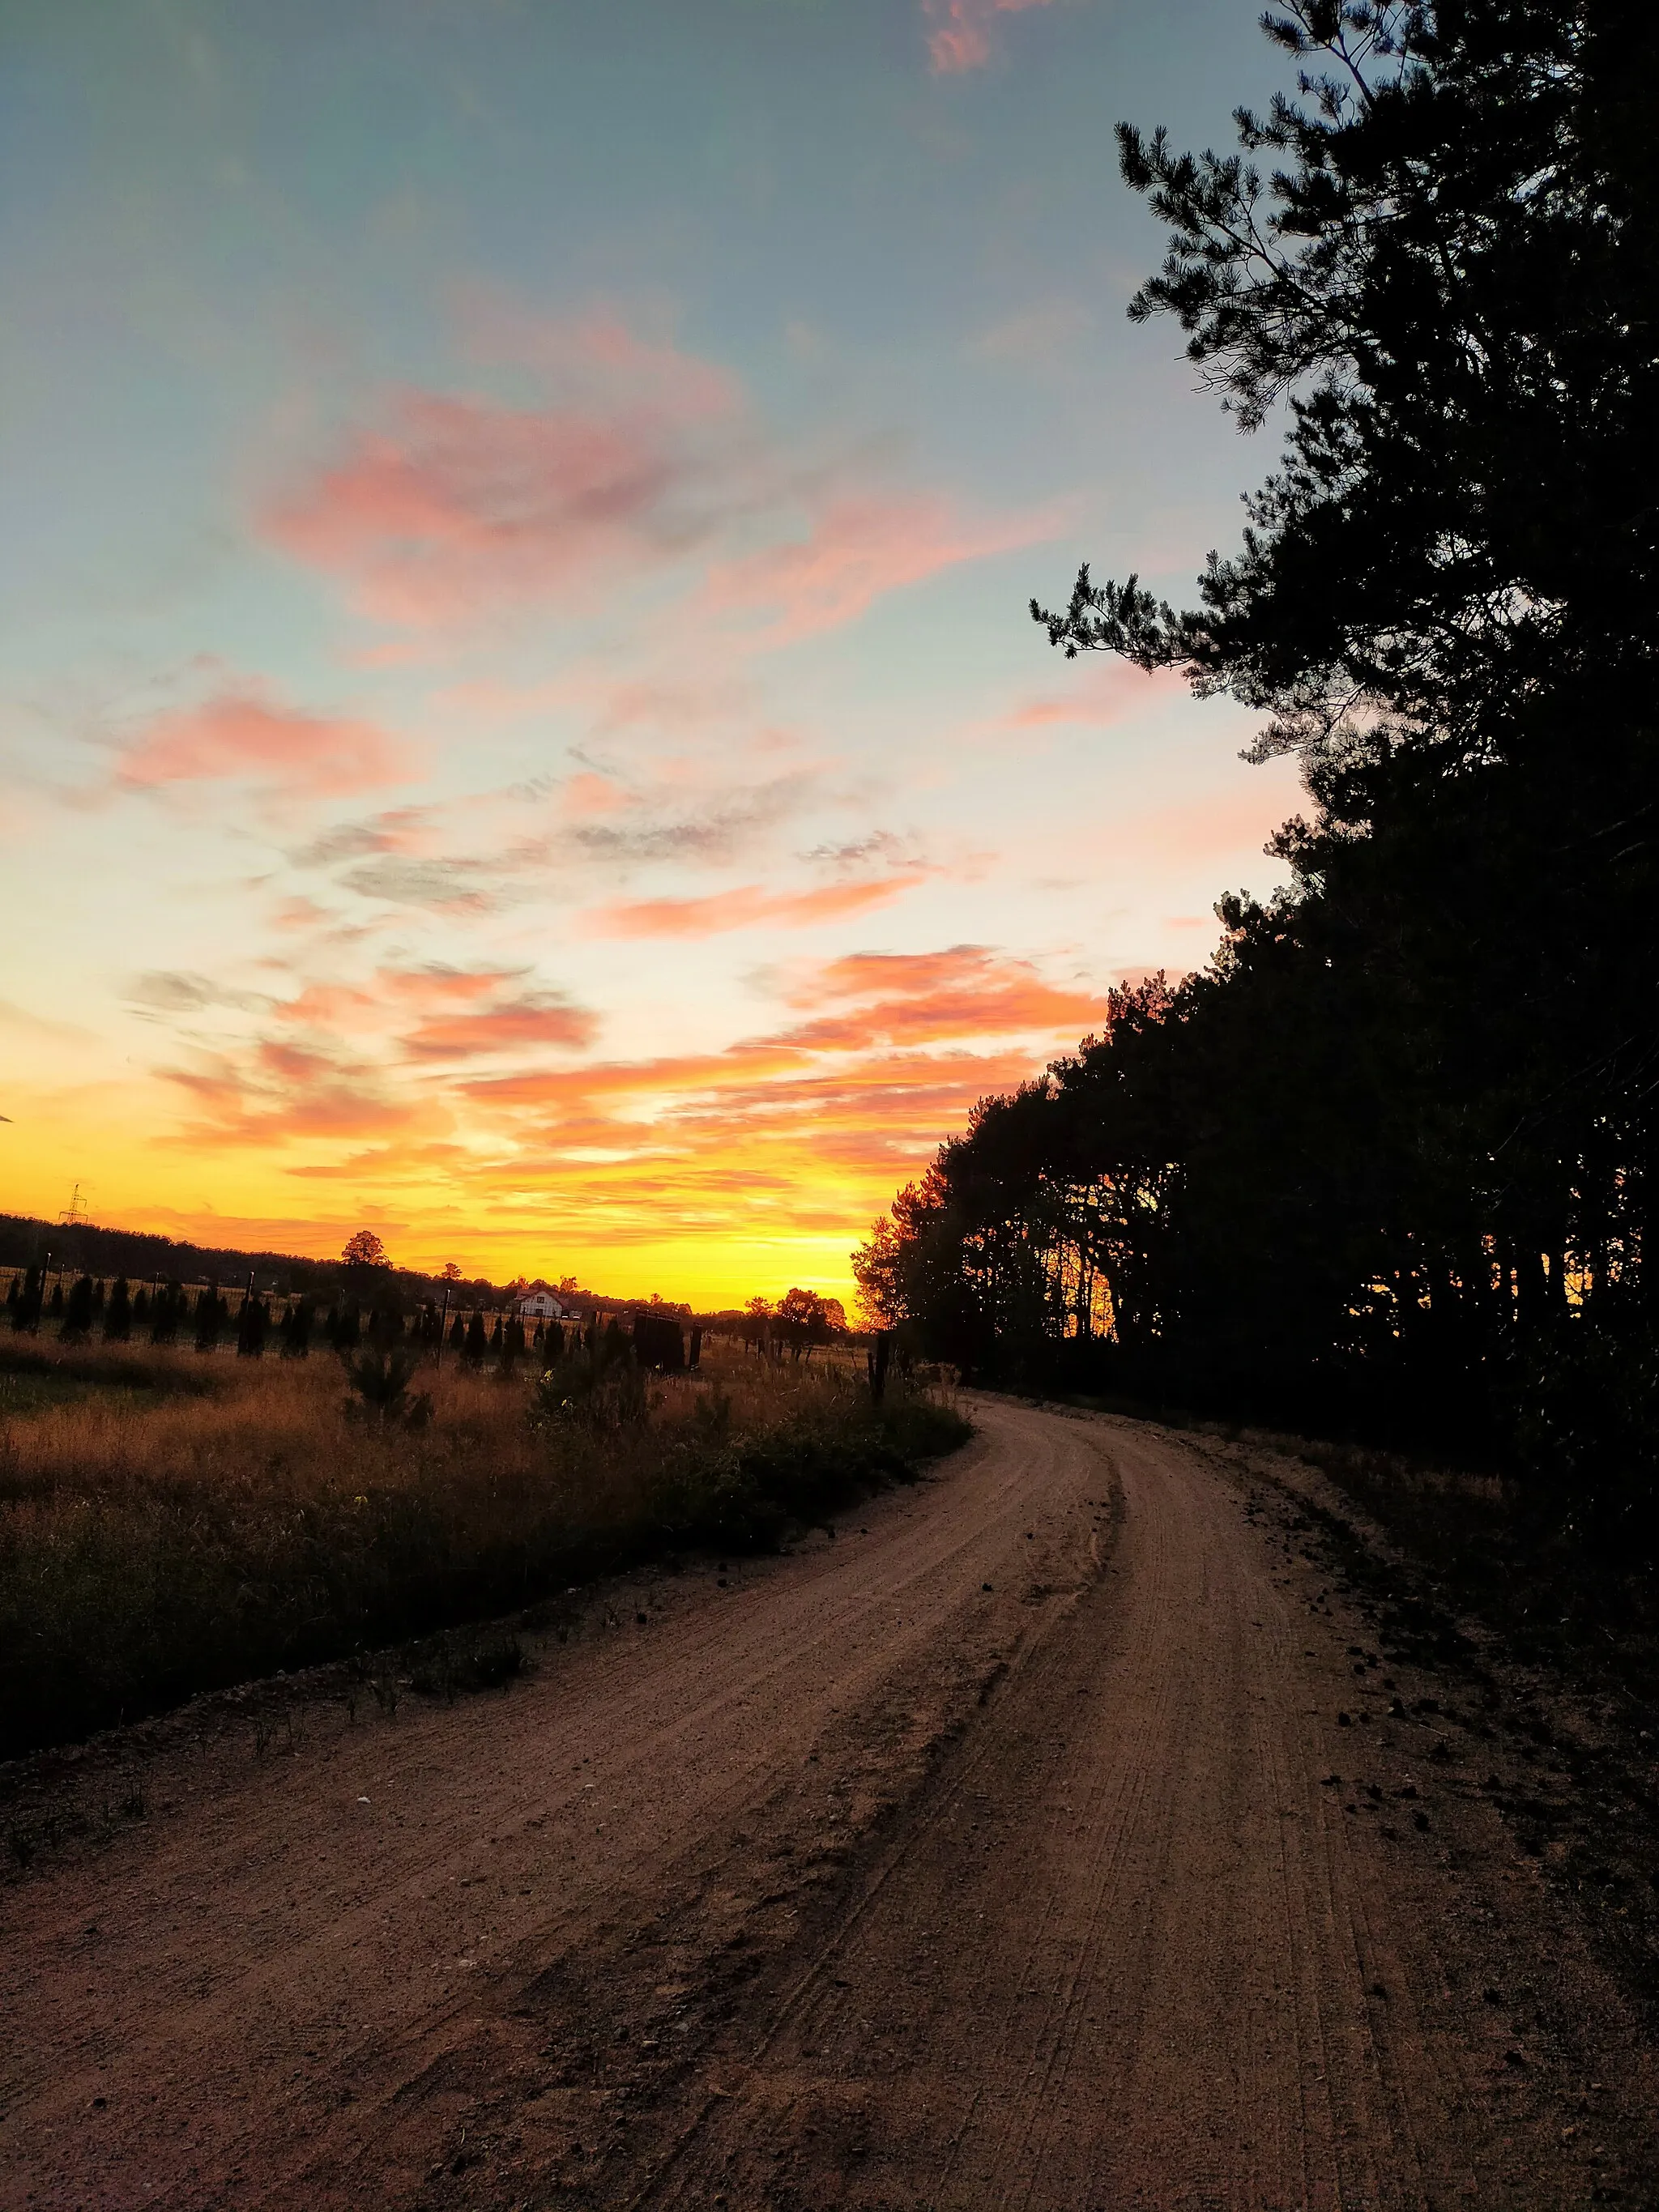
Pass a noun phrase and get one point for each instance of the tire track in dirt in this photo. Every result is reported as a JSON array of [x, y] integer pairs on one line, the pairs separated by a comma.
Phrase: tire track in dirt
[[1184, 1975], [299, 1983], [855, 1884]]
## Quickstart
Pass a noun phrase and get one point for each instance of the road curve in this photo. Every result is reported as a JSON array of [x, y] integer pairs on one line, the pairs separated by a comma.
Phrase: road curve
[[1005, 1850]]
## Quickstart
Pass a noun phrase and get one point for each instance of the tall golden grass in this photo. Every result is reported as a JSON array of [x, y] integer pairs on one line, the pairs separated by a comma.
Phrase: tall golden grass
[[174, 1522]]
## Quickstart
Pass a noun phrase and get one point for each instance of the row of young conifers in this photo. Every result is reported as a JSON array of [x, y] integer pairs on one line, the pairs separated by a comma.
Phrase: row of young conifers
[[83, 1307]]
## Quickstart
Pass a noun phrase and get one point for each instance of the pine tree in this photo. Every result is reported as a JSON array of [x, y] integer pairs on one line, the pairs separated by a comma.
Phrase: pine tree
[[210, 1316], [118, 1315], [250, 1325], [477, 1346], [140, 1307], [166, 1313], [77, 1314], [386, 1328]]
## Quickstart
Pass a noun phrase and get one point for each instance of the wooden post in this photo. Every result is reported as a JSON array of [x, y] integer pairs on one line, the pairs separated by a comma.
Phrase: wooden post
[[876, 1362]]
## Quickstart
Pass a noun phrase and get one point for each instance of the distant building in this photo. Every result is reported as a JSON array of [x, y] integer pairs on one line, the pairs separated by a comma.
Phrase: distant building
[[542, 1305]]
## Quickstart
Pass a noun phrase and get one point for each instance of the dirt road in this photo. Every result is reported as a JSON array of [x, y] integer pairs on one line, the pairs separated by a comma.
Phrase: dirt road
[[1009, 1850]]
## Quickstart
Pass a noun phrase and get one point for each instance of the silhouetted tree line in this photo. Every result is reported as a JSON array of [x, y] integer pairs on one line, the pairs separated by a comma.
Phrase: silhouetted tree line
[[1387, 1160], [26, 1242]]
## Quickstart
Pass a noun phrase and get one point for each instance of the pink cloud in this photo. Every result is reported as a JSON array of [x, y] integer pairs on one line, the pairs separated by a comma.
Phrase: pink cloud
[[597, 350], [536, 1020], [438, 986], [960, 39], [287, 1092], [858, 548], [455, 505], [433, 1012], [462, 504], [1106, 691], [588, 794], [451, 507], [964, 991], [747, 906], [243, 735], [883, 974], [300, 914]]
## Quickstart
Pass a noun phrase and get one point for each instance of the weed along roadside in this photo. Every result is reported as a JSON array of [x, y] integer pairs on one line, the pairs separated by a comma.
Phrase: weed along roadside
[[165, 1532]]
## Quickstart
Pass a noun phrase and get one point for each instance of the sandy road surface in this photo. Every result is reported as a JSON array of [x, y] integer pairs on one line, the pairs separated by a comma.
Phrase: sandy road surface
[[854, 1882]]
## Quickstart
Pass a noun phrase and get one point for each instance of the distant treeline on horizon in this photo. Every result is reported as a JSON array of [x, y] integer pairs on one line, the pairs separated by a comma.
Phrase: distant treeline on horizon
[[142, 1256]]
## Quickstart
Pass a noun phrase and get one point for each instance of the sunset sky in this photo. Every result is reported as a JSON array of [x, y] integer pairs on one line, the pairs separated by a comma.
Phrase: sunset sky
[[520, 726]]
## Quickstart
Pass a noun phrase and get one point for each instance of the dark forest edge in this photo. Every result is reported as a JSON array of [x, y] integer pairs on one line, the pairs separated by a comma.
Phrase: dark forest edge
[[1384, 1167]]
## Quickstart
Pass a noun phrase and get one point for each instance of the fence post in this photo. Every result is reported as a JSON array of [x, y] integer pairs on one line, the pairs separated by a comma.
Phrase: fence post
[[876, 1363]]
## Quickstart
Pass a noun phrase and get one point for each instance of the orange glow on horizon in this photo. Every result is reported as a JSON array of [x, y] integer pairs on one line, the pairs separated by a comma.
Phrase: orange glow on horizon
[[709, 1177]]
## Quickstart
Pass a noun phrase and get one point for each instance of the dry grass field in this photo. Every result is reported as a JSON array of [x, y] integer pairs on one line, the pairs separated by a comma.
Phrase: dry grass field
[[170, 1522]]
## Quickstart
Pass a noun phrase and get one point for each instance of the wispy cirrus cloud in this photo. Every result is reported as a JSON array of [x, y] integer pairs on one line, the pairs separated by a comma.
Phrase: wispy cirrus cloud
[[441, 1012], [577, 840], [965, 991], [279, 1094], [357, 1059], [463, 886], [170, 991], [1105, 692], [459, 506], [649, 826], [244, 734], [449, 508], [393, 830], [532, 1022], [858, 549], [751, 906], [805, 1122], [960, 36], [964, 999]]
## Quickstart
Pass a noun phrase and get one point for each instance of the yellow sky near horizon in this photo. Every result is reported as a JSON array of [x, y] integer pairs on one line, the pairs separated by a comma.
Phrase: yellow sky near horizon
[[706, 1176]]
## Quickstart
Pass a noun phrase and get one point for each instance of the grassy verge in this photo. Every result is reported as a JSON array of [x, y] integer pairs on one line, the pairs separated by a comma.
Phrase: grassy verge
[[159, 1538], [1510, 1557]]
